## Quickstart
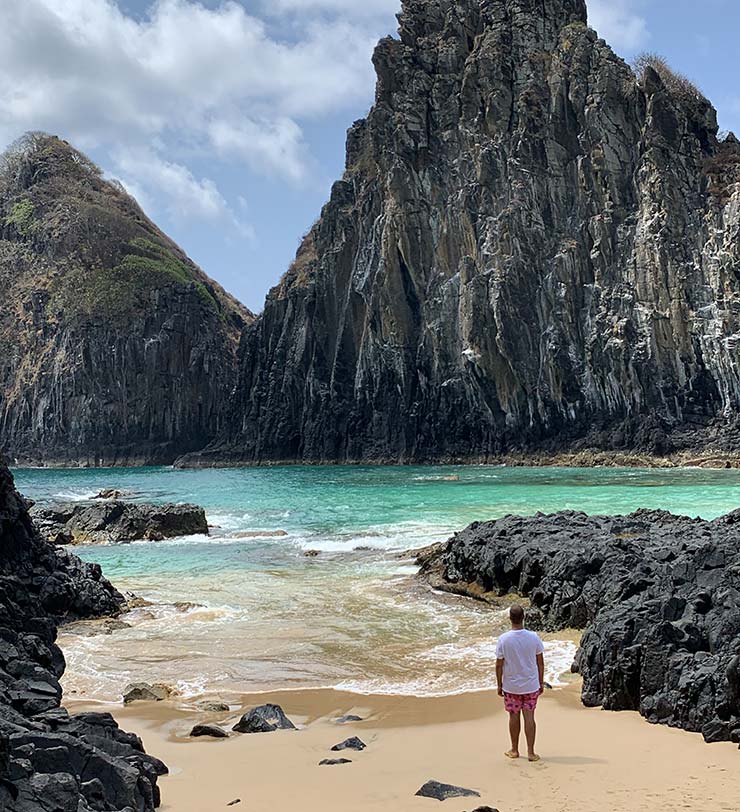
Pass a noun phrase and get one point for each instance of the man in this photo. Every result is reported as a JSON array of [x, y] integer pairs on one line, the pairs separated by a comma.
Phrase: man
[[520, 672]]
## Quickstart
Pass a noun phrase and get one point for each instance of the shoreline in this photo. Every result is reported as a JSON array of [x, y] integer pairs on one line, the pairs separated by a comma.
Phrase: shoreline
[[710, 460], [591, 759]]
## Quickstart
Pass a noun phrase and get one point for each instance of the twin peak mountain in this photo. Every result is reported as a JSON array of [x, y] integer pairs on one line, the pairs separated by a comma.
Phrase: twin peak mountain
[[533, 248]]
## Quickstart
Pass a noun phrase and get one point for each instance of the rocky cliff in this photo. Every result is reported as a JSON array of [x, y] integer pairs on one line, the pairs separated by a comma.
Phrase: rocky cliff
[[50, 761], [114, 347], [532, 247], [658, 596]]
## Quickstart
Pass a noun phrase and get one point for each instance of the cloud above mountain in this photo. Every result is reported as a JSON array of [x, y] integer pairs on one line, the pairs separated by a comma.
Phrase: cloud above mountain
[[178, 80]]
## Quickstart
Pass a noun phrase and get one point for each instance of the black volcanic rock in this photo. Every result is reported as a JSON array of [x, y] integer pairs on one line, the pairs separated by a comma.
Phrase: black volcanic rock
[[48, 759], [264, 719], [532, 247], [211, 731], [115, 348], [113, 521], [658, 596], [352, 743], [441, 792]]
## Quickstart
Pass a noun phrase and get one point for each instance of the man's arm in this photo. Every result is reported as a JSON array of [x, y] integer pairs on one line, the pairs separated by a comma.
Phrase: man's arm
[[500, 675], [541, 670]]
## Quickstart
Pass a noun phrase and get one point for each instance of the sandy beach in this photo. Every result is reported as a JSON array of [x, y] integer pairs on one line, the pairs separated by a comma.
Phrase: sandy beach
[[591, 759]]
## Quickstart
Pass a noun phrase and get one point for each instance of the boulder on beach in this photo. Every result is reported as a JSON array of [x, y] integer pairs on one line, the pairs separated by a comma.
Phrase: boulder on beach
[[111, 522], [441, 792], [212, 731], [264, 719], [350, 744], [144, 692]]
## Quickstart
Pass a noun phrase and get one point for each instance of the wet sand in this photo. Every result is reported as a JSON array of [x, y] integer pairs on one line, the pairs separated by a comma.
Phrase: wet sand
[[591, 759]]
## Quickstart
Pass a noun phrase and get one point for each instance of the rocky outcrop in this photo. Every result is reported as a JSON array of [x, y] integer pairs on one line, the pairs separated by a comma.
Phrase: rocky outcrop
[[113, 522], [49, 760], [658, 596], [532, 247], [115, 348]]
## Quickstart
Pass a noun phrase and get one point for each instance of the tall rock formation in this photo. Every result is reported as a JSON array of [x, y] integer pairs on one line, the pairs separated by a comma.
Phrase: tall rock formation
[[114, 347], [531, 246]]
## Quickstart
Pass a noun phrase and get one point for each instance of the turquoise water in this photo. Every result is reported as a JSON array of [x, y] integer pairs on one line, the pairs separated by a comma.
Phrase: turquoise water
[[260, 615]]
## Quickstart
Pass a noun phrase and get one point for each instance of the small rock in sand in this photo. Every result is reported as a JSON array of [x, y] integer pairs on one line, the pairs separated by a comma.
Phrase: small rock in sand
[[485, 809], [234, 802], [211, 706], [441, 792], [214, 731], [330, 762], [264, 719], [350, 717], [350, 744]]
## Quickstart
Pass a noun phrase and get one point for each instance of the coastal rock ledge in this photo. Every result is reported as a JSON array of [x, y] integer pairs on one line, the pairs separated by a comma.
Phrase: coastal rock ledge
[[114, 522], [51, 761], [658, 596]]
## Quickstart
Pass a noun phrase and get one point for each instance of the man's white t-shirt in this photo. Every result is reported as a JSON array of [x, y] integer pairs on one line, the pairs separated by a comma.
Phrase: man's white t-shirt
[[519, 649]]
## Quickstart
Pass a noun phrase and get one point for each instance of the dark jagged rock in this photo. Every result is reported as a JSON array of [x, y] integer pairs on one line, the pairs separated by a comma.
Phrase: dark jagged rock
[[116, 348], [352, 743], [441, 792], [49, 760], [264, 719], [115, 521], [212, 731], [658, 596], [531, 248], [332, 762]]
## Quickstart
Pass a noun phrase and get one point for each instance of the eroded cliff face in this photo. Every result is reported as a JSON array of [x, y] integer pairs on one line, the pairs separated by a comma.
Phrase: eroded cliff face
[[531, 247], [114, 347]]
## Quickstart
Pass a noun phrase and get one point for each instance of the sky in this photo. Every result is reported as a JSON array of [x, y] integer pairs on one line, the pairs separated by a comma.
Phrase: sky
[[226, 119]]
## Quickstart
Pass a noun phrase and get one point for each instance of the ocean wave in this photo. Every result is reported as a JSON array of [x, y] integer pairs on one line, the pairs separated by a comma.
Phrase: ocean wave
[[76, 496]]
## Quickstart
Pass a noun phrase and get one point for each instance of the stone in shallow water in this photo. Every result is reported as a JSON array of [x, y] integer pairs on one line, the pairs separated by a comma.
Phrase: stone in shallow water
[[331, 762], [350, 744], [441, 792], [143, 692], [264, 719], [212, 706], [214, 731]]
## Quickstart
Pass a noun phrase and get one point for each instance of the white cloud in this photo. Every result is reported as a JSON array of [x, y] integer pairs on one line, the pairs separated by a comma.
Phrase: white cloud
[[184, 80], [185, 196], [619, 24], [268, 145]]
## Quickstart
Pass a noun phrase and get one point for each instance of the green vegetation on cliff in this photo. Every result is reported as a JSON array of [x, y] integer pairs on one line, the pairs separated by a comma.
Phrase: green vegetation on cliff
[[114, 345]]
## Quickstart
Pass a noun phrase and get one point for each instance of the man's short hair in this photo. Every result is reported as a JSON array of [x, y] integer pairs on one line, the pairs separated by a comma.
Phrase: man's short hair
[[516, 614]]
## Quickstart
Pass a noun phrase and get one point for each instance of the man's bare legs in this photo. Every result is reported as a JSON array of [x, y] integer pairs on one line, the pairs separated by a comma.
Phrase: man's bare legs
[[515, 728], [530, 732]]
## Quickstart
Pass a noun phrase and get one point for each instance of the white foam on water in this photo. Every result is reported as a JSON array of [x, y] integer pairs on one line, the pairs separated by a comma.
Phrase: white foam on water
[[76, 496], [399, 537], [559, 656]]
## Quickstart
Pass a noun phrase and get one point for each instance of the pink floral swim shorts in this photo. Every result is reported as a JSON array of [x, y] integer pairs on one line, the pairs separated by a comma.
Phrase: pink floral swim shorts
[[518, 702]]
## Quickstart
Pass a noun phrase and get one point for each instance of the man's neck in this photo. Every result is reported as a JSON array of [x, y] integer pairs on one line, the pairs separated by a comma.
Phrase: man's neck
[[517, 628]]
